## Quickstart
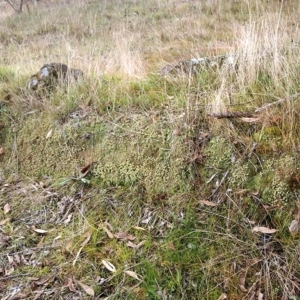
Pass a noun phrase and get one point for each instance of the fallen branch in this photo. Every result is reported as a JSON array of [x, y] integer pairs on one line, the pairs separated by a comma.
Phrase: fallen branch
[[18, 10], [239, 114], [266, 106], [231, 114], [220, 183], [279, 101], [13, 276]]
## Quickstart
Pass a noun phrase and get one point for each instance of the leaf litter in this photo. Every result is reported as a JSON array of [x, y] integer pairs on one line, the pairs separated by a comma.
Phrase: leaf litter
[[86, 288], [109, 266], [263, 229], [34, 221], [133, 275]]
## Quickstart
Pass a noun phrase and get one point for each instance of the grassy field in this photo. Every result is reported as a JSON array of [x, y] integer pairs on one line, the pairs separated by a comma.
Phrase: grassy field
[[130, 184]]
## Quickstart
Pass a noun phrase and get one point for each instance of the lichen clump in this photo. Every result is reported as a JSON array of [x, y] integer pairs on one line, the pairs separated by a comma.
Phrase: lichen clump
[[124, 174], [218, 154], [143, 154], [273, 180], [271, 177], [239, 175]]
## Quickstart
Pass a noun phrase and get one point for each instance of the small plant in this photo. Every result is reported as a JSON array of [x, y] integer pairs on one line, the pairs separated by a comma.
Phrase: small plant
[[6, 74]]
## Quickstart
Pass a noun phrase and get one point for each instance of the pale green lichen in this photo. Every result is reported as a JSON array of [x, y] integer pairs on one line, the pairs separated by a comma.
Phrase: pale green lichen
[[218, 153], [144, 154], [112, 174], [273, 180], [239, 174], [277, 192]]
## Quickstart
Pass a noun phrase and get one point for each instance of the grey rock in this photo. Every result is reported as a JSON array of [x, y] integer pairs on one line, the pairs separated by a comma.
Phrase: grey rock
[[195, 65], [52, 75]]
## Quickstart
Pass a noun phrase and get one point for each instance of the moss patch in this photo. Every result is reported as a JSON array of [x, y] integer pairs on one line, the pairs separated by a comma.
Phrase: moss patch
[[142, 152], [48, 148]]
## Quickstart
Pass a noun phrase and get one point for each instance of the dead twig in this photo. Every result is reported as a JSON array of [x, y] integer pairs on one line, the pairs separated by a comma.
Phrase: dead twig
[[15, 8], [13, 276], [266, 106], [220, 183], [233, 114]]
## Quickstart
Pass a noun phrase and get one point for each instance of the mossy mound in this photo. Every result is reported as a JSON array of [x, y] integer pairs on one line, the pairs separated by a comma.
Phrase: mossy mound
[[273, 177], [46, 147], [142, 152]]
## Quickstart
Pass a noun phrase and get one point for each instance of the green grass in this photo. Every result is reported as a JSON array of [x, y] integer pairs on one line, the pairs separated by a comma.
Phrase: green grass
[[172, 193]]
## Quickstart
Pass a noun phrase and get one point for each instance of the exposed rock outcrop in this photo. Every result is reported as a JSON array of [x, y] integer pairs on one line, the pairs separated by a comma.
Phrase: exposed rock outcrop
[[54, 74], [195, 65]]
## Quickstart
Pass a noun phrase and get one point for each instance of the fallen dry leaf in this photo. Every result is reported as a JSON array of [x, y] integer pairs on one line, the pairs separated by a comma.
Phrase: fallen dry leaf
[[42, 231], [17, 259], [294, 227], [9, 271], [24, 261], [57, 237], [250, 120], [2, 151], [67, 246], [243, 289], [43, 280], [270, 207], [194, 157], [135, 246], [85, 170], [19, 295], [6, 208], [263, 230], [88, 236], [176, 131], [242, 279], [38, 294], [222, 297], [109, 233], [32, 278], [133, 275], [86, 288], [138, 228], [249, 221], [49, 134], [10, 259], [70, 285], [41, 242], [203, 135], [124, 236], [208, 203], [109, 226], [4, 239], [171, 246], [109, 266], [260, 296], [4, 221], [68, 219]]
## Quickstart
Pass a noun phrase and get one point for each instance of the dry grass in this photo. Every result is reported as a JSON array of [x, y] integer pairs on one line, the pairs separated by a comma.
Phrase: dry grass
[[151, 152]]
